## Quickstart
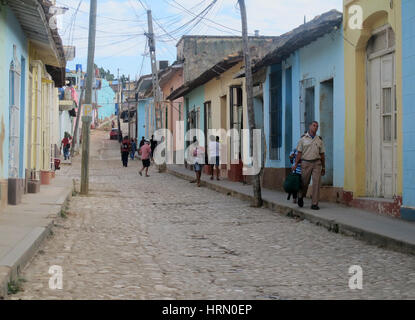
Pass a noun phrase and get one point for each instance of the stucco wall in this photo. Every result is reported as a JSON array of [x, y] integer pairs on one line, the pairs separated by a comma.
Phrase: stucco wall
[[202, 52], [196, 100], [408, 94], [321, 60], [13, 35], [173, 108], [106, 100], [375, 14], [4, 116]]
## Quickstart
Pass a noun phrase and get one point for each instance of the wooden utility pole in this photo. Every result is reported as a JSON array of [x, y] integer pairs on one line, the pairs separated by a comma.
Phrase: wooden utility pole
[[155, 78], [87, 119], [250, 93], [119, 106], [154, 71]]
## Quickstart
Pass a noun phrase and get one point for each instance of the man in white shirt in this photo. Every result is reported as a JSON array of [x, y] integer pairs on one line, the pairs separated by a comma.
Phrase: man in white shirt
[[214, 156]]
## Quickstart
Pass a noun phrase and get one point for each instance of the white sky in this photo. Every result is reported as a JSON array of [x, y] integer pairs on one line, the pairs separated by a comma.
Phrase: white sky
[[121, 25]]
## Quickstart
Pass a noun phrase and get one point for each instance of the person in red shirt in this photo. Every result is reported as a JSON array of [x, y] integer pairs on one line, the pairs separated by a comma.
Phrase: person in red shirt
[[66, 145], [125, 150], [145, 152]]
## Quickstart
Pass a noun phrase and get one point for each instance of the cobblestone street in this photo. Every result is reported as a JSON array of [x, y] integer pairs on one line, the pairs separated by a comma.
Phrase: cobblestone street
[[162, 238]]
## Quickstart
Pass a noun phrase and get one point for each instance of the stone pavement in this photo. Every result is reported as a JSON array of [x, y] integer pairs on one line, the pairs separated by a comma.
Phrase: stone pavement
[[380, 230], [160, 237], [23, 227]]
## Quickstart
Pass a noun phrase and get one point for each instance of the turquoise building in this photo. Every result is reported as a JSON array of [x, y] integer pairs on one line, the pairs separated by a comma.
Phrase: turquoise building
[[408, 110], [13, 97], [106, 99], [304, 82]]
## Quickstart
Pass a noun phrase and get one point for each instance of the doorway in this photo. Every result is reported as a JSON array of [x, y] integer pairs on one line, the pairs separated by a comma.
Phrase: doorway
[[326, 128], [381, 135]]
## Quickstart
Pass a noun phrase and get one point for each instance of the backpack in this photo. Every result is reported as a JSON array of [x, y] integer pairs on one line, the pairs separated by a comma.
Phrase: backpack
[[292, 183]]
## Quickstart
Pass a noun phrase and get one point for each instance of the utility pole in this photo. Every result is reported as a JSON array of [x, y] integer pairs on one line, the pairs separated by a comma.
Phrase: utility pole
[[250, 93], [128, 101], [154, 71], [86, 120], [119, 106]]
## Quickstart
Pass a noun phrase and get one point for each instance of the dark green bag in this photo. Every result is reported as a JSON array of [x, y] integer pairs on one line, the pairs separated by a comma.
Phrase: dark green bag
[[292, 183]]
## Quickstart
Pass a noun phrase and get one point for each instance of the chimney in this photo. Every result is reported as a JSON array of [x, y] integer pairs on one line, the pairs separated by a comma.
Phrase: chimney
[[256, 33]]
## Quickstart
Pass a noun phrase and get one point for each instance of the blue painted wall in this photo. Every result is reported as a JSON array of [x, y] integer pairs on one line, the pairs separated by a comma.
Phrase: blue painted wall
[[321, 60], [196, 100], [141, 125], [106, 98], [13, 35], [408, 93]]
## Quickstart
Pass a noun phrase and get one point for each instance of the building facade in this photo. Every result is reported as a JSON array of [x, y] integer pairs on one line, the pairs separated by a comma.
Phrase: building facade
[[373, 95], [408, 108]]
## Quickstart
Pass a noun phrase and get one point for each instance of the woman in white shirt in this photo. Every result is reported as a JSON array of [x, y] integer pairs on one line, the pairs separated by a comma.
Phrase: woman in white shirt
[[214, 156]]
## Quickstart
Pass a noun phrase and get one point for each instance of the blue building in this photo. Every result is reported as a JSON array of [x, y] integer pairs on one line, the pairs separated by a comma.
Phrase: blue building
[[106, 100], [304, 82], [408, 110]]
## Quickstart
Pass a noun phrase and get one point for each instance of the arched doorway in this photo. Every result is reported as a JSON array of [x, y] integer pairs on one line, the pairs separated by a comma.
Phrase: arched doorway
[[381, 115]]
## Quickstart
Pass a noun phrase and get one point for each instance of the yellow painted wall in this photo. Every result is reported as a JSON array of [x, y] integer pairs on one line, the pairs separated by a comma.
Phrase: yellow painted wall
[[219, 87], [376, 13], [44, 98]]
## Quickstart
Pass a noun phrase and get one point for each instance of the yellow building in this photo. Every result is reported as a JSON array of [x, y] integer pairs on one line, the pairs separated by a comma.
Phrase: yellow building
[[373, 91], [46, 73]]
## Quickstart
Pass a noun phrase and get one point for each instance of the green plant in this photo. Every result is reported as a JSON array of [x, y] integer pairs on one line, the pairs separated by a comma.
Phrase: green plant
[[15, 286]]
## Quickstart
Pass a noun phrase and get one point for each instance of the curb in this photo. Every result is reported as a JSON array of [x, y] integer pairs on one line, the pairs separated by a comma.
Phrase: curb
[[16, 259], [330, 224]]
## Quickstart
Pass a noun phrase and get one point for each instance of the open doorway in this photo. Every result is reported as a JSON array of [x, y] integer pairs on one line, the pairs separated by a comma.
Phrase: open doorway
[[326, 127]]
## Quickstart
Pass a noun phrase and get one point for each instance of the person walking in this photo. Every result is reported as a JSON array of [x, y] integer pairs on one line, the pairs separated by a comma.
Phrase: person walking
[[198, 153], [143, 140], [297, 172], [311, 152], [153, 145], [145, 152], [214, 156], [66, 145], [125, 150], [133, 148]]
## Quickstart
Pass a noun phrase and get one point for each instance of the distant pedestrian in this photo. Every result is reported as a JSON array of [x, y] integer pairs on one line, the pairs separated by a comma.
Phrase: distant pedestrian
[[198, 154], [125, 150], [145, 152], [133, 148], [66, 145], [112, 124], [311, 153], [143, 140], [153, 145], [214, 156], [297, 172]]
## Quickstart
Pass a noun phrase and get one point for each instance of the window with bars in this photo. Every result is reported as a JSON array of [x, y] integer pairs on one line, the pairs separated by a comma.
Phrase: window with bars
[[275, 116]]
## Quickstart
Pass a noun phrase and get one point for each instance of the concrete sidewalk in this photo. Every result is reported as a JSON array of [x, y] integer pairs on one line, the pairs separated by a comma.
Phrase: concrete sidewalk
[[25, 226], [375, 229]]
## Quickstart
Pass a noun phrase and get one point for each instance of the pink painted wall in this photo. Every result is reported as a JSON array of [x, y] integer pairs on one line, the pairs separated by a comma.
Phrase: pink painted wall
[[175, 82]]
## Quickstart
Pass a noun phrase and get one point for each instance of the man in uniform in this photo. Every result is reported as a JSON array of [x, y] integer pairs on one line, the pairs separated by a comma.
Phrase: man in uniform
[[311, 153]]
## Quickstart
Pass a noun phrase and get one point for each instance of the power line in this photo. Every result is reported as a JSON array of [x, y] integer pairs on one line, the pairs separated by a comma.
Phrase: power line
[[189, 12]]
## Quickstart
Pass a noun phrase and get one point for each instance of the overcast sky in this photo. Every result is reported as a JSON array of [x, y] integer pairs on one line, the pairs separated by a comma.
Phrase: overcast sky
[[121, 24]]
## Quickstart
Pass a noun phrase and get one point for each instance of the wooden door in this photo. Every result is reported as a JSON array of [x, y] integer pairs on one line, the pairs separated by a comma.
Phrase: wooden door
[[382, 133]]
